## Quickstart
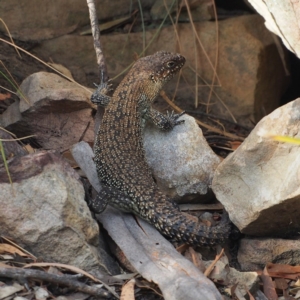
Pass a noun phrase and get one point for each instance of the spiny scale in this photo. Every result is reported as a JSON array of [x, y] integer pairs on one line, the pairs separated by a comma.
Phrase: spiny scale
[[119, 155]]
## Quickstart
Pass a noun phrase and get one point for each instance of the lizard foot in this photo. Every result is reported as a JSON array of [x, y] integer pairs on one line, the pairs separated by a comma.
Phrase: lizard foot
[[173, 118], [99, 204], [100, 97]]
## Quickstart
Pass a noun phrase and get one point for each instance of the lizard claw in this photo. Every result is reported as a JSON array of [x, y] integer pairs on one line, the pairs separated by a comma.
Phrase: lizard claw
[[173, 118], [100, 96]]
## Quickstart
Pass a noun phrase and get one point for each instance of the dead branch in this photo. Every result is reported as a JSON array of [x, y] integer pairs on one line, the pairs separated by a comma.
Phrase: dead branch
[[99, 55], [97, 44], [21, 274]]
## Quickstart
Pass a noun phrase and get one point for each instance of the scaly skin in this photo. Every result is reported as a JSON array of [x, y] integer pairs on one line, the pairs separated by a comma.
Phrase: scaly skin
[[119, 155]]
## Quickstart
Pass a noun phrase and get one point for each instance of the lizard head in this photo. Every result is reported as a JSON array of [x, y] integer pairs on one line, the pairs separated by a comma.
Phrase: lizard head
[[165, 65], [159, 67]]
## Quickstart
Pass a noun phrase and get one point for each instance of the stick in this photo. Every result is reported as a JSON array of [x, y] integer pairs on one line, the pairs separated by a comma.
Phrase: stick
[[99, 55], [21, 274]]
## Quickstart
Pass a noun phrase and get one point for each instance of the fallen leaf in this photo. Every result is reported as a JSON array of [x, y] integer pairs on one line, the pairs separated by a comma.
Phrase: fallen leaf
[[281, 268], [268, 286], [6, 248], [281, 284], [235, 144], [249, 294], [127, 292], [8, 290], [4, 96]]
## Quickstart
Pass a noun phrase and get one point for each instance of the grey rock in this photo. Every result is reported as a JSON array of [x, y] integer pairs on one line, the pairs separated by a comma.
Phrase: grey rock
[[251, 73], [44, 211], [259, 183], [181, 160], [200, 10], [255, 253], [27, 20], [40, 293], [55, 110], [11, 148], [282, 19]]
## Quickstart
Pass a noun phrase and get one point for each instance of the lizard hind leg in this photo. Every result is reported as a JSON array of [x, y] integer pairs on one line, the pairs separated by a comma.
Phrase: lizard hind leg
[[98, 204], [114, 197]]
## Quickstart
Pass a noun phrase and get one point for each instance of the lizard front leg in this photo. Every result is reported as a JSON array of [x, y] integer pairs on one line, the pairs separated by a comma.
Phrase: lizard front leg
[[164, 122], [99, 97]]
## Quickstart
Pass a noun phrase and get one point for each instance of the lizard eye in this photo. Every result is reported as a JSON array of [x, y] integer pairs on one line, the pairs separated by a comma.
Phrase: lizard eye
[[171, 64]]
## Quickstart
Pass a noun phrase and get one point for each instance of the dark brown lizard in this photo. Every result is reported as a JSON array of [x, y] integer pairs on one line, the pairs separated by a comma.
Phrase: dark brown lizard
[[126, 179]]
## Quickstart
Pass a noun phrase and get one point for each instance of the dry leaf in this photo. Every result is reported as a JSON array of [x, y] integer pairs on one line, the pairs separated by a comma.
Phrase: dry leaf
[[281, 284], [142, 283], [281, 268], [69, 157], [29, 149], [249, 294], [4, 96], [269, 289], [8, 290], [235, 144], [2, 265], [128, 290], [6, 248]]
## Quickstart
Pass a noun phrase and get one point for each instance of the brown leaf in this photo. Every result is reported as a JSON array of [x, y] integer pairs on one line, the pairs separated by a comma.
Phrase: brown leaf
[[232, 292], [249, 294], [127, 292], [6, 248], [142, 283], [269, 289], [281, 284], [196, 260], [235, 144], [4, 96], [280, 268]]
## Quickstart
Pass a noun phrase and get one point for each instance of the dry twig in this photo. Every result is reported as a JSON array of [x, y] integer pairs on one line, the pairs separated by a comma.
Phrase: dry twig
[[21, 274]]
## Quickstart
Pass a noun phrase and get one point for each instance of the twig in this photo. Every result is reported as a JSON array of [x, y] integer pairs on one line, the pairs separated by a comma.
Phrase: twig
[[210, 268], [97, 44], [99, 55], [217, 56], [21, 274], [211, 128]]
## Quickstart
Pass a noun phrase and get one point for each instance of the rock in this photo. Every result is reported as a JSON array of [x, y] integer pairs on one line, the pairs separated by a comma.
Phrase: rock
[[249, 69], [30, 21], [259, 183], [282, 19], [11, 148], [56, 111], [45, 212], [229, 277], [255, 253], [182, 162], [40, 293], [200, 10]]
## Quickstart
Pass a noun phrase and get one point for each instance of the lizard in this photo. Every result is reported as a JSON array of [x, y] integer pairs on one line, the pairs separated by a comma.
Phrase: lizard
[[126, 179]]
